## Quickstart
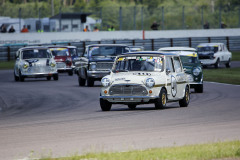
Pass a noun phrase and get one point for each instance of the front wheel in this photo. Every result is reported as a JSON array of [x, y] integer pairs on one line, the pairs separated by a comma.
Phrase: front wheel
[[81, 81], [217, 64], [199, 88], [21, 77], [105, 105], [162, 100], [90, 82], [228, 64], [185, 101], [70, 73], [55, 77], [48, 78], [132, 106], [16, 78]]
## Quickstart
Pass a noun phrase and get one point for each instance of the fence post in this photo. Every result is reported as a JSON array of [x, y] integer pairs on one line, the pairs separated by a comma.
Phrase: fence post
[[84, 46], [142, 18], [152, 44], [202, 17], [220, 16], [162, 18], [171, 42], [120, 18], [133, 42], [60, 19], [190, 42], [19, 14], [8, 51], [101, 18], [183, 18], [134, 18], [209, 40], [228, 47]]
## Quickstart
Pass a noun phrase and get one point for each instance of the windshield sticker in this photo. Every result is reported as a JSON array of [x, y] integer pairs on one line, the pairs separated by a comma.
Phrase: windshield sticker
[[121, 59], [215, 46], [35, 50], [192, 55]]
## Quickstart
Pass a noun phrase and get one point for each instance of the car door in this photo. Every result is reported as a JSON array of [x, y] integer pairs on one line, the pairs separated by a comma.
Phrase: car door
[[180, 77], [171, 79]]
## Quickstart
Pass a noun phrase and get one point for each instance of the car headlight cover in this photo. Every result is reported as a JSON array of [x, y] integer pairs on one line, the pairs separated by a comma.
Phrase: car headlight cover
[[150, 82], [105, 82], [25, 65], [197, 71], [52, 64], [92, 66]]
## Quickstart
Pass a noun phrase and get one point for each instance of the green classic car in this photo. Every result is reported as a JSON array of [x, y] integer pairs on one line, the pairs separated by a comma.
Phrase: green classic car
[[191, 64]]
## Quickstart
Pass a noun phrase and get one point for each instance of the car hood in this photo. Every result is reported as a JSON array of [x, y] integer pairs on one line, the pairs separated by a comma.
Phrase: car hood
[[38, 61], [133, 77], [102, 59]]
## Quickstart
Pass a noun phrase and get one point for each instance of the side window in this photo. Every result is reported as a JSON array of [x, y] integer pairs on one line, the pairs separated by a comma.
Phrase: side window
[[169, 64], [85, 53], [177, 64]]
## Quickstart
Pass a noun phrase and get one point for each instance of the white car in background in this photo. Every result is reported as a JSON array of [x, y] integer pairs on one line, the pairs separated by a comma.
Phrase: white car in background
[[145, 77], [35, 62], [191, 64], [214, 54]]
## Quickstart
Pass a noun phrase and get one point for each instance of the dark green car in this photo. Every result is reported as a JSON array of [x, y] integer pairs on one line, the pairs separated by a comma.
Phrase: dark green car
[[191, 64]]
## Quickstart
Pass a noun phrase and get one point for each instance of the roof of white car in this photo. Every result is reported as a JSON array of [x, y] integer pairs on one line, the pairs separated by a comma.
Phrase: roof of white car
[[209, 44], [177, 49], [150, 52]]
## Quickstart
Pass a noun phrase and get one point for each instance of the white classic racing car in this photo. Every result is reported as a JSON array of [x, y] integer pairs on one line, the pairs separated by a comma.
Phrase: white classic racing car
[[145, 77], [35, 62]]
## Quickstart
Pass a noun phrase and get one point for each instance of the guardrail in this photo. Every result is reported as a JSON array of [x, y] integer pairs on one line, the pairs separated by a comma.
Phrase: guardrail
[[7, 53]]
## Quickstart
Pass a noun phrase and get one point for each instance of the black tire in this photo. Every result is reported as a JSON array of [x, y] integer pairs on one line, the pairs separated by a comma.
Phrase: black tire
[[90, 82], [55, 77], [48, 78], [16, 78], [199, 88], [105, 105], [185, 101], [81, 81], [70, 73], [228, 64], [21, 78], [217, 64], [162, 100], [132, 106]]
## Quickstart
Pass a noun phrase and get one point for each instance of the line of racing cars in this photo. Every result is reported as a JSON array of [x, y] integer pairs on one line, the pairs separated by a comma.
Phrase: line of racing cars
[[128, 74]]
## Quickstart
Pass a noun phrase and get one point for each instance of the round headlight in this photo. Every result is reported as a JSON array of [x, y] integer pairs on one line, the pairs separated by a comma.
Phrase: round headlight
[[25, 66], [150, 82], [52, 64], [93, 66], [105, 82], [197, 71]]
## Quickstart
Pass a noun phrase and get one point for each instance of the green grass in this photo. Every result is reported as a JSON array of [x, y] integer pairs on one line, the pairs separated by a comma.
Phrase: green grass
[[235, 56], [225, 75], [6, 65], [211, 151]]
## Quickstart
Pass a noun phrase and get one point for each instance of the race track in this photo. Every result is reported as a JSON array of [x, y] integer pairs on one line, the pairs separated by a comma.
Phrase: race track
[[59, 118]]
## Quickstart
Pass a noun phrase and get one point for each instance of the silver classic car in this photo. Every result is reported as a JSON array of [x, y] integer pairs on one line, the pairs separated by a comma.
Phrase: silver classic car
[[35, 62]]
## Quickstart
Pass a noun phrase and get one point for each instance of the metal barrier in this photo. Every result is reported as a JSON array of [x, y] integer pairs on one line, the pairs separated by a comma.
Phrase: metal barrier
[[7, 53]]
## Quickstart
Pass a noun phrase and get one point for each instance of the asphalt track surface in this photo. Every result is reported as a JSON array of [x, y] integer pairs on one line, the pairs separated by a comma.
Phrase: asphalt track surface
[[59, 118]]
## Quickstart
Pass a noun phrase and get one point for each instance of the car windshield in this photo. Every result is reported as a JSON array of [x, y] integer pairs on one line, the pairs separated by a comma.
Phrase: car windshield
[[36, 53], [107, 50], [188, 60], [73, 51], [208, 49], [60, 51], [138, 63]]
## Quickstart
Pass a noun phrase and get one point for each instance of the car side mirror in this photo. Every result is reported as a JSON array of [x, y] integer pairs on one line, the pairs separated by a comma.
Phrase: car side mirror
[[168, 71]]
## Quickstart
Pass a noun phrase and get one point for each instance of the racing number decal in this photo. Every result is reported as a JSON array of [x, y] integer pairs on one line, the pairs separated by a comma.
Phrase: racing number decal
[[173, 86]]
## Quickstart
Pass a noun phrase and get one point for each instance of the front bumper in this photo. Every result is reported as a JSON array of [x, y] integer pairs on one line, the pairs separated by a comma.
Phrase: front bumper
[[208, 61], [97, 74], [38, 75], [129, 99]]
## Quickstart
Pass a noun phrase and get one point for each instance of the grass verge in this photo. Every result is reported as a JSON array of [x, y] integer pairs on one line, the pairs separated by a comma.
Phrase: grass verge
[[235, 56], [7, 65], [211, 151], [225, 75]]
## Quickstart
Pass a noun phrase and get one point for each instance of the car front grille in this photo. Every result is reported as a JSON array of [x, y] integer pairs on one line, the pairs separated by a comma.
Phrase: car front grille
[[205, 56], [128, 90], [104, 65], [39, 69]]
